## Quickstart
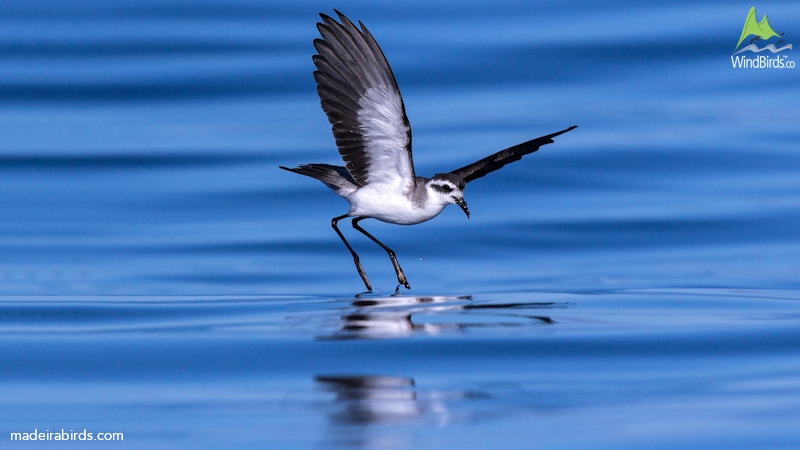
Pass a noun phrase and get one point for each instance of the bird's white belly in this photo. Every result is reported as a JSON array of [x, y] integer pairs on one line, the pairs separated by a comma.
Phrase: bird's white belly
[[385, 203]]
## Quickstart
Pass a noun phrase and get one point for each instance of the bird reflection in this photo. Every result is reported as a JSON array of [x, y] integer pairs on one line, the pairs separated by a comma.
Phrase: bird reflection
[[365, 400], [392, 317], [400, 316]]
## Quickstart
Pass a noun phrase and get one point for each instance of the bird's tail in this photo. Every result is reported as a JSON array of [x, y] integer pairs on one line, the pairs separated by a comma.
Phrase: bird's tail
[[335, 177]]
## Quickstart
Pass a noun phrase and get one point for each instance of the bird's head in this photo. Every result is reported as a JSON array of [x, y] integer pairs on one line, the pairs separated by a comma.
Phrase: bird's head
[[448, 188]]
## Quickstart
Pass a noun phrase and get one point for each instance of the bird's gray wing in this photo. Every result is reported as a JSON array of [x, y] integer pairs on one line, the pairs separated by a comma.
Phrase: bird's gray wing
[[359, 94], [503, 157]]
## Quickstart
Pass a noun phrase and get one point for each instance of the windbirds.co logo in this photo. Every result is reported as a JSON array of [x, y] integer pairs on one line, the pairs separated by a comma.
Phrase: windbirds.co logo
[[754, 32]]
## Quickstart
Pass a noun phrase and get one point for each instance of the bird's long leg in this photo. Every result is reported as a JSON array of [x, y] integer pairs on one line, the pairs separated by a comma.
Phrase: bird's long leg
[[352, 252], [401, 277]]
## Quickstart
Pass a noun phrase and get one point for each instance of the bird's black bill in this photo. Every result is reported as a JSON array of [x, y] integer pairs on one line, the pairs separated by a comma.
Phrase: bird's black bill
[[463, 205]]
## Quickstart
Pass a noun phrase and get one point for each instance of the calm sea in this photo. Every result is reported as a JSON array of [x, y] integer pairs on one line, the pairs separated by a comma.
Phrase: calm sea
[[634, 285]]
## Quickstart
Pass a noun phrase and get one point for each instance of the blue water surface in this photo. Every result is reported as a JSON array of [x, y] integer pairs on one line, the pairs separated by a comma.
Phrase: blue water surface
[[633, 285]]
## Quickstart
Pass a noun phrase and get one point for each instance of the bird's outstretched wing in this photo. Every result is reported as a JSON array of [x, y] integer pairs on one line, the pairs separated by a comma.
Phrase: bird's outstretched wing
[[503, 157], [359, 94]]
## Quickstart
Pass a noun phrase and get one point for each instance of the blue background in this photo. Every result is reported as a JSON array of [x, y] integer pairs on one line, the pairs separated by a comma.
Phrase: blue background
[[632, 285]]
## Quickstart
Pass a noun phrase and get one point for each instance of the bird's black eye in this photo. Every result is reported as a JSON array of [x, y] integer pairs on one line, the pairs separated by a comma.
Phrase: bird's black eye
[[447, 188]]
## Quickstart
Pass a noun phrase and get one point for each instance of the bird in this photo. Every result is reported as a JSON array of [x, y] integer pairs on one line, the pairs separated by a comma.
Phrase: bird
[[359, 94]]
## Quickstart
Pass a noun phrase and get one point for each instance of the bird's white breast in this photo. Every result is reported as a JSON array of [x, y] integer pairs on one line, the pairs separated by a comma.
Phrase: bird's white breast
[[389, 204]]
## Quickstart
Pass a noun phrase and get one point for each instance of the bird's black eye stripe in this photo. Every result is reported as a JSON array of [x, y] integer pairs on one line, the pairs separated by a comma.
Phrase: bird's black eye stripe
[[443, 188]]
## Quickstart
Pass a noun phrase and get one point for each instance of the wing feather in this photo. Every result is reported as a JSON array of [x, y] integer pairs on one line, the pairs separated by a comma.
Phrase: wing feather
[[498, 160], [359, 94]]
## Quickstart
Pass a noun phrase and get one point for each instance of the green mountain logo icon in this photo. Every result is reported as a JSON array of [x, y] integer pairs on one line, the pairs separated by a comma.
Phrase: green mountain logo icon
[[761, 30]]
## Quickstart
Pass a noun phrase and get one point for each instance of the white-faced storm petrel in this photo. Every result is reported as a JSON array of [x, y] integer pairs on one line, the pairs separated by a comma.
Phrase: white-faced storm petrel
[[359, 94]]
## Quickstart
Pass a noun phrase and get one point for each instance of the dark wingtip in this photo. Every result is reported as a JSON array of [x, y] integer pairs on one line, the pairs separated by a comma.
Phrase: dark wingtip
[[498, 160], [342, 17], [550, 137], [558, 133]]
